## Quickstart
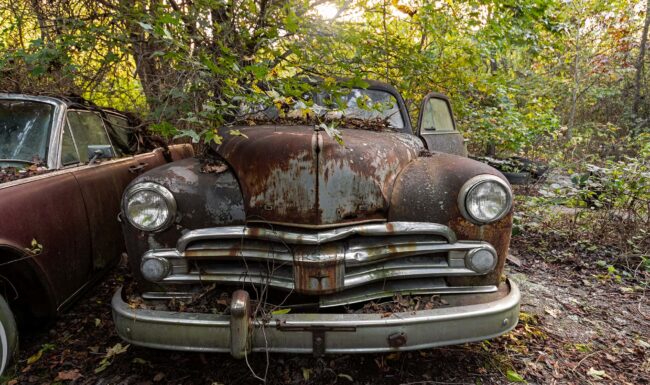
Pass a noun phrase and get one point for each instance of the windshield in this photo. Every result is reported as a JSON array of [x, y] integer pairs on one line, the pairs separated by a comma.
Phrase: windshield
[[352, 105], [24, 130], [361, 104]]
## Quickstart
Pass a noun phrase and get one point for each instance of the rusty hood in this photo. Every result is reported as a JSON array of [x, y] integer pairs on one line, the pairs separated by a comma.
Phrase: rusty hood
[[297, 175]]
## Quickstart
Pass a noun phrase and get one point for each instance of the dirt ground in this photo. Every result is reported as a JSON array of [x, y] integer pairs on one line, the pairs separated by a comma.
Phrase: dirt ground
[[577, 326]]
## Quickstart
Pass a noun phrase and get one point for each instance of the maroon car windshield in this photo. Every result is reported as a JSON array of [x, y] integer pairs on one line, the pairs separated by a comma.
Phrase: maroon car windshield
[[24, 130]]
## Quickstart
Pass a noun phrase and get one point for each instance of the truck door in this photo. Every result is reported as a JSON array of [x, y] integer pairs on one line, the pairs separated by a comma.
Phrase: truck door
[[436, 125]]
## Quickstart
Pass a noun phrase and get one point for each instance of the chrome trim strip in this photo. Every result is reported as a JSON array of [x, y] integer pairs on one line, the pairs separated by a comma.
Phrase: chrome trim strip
[[388, 251], [387, 289], [316, 238], [231, 277]]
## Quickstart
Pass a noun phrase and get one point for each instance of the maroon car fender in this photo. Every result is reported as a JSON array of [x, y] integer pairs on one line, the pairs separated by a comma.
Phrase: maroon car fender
[[427, 190], [27, 283]]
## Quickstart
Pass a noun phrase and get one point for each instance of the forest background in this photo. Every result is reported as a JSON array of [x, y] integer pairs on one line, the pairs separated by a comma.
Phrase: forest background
[[524, 76]]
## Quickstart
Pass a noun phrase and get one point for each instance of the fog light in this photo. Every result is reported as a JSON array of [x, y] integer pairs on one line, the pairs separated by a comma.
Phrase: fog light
[[481, 260], [155, 269]]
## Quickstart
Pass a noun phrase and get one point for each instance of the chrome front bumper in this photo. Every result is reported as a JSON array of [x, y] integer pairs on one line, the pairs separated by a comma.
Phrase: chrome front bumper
[[239, 334]]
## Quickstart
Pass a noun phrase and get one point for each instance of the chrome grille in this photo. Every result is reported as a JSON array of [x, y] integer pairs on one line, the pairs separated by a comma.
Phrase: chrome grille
[[356, 259]]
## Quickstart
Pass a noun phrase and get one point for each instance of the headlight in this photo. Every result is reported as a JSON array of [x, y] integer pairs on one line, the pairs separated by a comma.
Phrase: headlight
[[484, 199], [149, 206]]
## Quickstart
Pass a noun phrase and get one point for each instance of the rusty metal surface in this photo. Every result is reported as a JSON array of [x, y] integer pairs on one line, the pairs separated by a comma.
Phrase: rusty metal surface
[[355, 181], [203, 200], [277, 168], [72, 214], [448, 142], [101, 188], [299, 176], [49, 210], [427, 190]]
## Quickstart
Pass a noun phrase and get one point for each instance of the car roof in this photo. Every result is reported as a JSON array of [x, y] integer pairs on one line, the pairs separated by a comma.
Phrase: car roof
[[70, 101]]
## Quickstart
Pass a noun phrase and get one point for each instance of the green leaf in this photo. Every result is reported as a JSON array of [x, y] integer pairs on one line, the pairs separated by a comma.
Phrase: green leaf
[[513, 376], [237, 133], [37, 356], [145, 26], [291, 21], [259, 71], [281, 311], [188, 133]]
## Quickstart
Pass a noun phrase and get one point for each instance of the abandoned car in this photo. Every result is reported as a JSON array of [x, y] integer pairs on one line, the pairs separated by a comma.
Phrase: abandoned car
[[291, 240], [64, 164]]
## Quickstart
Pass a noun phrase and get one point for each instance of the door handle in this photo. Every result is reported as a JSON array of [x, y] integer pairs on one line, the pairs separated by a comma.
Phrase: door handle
[[137, 169]]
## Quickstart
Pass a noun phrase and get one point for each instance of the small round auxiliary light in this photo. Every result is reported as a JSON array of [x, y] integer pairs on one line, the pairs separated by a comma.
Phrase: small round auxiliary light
[[482, 260], [155, 269]]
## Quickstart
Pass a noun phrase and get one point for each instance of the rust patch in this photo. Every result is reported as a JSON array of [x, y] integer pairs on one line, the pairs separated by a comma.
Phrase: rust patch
[[316, 274], [299, 176]]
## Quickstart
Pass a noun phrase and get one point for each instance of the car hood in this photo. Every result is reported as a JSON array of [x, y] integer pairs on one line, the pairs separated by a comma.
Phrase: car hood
[[299, 176]]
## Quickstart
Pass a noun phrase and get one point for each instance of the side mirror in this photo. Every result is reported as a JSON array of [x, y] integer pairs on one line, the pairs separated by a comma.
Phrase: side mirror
[[102, 151]]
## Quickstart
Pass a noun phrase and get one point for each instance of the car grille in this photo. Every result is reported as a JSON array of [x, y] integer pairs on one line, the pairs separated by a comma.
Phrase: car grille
[[339, 264]]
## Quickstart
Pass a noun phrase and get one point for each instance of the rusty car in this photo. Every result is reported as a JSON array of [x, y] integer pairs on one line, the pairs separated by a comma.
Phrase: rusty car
[[64, 164], [291, 239]]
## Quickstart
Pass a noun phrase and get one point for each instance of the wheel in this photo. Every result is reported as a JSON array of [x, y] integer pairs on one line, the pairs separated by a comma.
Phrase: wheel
[[8, 337]]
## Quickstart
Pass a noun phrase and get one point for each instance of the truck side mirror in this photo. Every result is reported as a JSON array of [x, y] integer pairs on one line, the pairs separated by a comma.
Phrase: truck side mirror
[[101, 151]]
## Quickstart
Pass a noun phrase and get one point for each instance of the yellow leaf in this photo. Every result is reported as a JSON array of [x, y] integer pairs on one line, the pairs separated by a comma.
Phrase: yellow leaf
[[281, 311], [37, 356]]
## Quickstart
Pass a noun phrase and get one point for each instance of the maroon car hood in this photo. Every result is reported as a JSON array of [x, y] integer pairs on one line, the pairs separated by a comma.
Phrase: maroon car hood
[[296, 175]]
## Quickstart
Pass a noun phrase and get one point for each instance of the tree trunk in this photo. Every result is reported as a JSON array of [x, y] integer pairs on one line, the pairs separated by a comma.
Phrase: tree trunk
[[576, 86], [640, 60]]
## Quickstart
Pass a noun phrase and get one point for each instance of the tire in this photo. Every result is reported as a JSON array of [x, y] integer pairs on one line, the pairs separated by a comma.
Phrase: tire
[[8, 337], [518, 177]]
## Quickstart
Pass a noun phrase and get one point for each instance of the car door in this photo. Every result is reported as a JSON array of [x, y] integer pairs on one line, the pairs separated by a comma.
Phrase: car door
[[437, 127], [102, 183]]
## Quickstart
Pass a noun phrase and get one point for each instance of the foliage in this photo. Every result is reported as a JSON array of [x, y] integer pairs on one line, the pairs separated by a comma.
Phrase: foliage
[[520, 74], [600, 210]]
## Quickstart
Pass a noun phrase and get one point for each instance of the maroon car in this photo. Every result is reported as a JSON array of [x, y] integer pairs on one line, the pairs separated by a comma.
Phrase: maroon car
[[349, 235], [64, 164]]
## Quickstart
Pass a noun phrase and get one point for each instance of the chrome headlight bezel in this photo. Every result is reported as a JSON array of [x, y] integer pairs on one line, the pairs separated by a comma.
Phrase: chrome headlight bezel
[[156, 188], [471, 185]]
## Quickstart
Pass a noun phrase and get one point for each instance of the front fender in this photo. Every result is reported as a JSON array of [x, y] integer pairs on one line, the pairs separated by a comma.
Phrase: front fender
[[203, 199], [427, 191]]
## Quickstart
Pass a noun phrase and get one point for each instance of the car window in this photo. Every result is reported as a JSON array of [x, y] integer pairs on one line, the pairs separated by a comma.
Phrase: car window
[[69, 154], [25, 130], [436, 116], [119, 130], [88, 130]]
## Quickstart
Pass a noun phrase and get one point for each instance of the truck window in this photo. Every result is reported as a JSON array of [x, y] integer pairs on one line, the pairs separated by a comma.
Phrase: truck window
[[436, 116]]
